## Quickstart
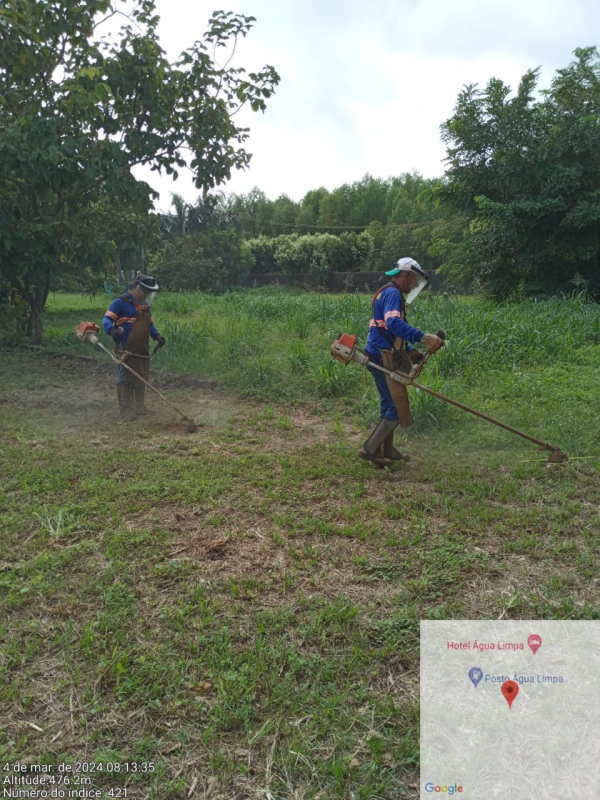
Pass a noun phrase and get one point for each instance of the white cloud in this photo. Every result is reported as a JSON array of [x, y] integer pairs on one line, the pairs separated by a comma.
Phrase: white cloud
[[365, 86]]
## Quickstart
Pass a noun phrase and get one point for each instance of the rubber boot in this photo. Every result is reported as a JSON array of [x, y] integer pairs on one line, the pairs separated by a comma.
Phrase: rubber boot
[[139, 394], [389, 451], [370, 451], [125, 395]]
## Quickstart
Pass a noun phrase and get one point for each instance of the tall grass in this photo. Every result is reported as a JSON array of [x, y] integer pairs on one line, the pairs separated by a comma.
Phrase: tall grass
[[274, 343]]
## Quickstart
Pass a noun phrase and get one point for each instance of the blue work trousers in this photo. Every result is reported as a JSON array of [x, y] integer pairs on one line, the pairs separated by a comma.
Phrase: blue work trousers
[[386, 404]]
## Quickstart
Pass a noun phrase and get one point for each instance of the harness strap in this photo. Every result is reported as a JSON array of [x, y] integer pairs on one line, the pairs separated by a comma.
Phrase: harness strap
[[389, 285], [132, 302], [137, 355], [124, 353]]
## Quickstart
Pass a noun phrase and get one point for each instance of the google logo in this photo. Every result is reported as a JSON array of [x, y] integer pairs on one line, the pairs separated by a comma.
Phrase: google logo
[[430, 788]]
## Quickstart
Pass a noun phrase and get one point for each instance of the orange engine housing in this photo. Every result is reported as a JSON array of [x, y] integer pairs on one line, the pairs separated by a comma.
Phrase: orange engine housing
[[86, 331], [343, 349], [84, 327], [348, 340]]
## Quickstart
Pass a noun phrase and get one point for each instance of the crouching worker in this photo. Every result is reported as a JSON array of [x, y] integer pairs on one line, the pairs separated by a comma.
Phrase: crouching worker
[[129, 322], [389, 344]]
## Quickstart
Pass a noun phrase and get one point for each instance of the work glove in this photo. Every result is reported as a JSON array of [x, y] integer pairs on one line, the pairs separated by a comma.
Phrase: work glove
[[160, 340], [117, 334], [432, 342], [416, 356]]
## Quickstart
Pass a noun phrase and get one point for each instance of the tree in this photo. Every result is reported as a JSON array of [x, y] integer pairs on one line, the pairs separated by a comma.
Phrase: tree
[[309, 210], [78, 112], [177, 222], [211, 211], [527, 172], [184, 265], [203, 260], [253, 212], [402, 216], [285, 211]]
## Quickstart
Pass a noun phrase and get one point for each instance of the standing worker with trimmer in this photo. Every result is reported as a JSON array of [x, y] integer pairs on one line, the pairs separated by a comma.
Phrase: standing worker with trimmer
[[129, 322], [389, 344]]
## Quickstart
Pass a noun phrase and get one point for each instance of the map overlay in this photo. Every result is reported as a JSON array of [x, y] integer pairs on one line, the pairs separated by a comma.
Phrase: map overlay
[[510, 710]]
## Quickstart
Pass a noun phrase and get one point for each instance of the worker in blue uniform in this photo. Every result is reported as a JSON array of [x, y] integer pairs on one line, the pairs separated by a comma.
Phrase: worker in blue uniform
[[390, 345], [129, 322]]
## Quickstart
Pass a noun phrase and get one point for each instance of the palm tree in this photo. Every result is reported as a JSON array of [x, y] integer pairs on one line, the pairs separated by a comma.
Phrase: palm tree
[[177, 223]]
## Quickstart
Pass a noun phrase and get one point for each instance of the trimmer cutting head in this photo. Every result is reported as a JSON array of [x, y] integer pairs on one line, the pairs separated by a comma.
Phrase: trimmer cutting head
[[557, 456]]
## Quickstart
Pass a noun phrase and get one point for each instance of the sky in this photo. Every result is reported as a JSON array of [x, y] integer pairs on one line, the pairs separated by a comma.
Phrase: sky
[[365, 86]]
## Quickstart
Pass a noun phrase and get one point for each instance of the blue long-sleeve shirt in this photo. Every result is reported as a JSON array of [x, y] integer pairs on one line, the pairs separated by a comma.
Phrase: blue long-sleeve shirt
[[387, 322], [123, 313]]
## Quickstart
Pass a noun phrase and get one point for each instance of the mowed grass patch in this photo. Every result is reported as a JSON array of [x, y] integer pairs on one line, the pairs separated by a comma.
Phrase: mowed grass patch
[[241, 606], [118, 637]]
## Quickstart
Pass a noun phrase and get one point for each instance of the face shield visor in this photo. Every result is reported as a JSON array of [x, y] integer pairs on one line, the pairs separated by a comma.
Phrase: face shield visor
[[417, 289], [420, 278], [149, 286]]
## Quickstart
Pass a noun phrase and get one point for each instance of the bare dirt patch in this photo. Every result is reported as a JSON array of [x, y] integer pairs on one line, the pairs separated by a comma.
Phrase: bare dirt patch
[[78, 395]]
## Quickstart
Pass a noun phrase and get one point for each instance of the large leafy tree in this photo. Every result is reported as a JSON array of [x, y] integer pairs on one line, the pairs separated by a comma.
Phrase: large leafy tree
[[526, 170], [79, 110]]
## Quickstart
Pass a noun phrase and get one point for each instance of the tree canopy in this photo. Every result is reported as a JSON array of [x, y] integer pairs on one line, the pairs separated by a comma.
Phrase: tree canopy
[[391, 201], [366, 225], [526, 170], [79, 110]]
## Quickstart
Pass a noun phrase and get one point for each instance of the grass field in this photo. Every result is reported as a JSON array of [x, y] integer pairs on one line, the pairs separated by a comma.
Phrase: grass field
[[241, 607]]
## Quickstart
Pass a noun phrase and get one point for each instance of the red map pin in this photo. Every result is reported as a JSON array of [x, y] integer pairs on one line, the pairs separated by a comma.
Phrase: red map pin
[[510, 690], [535, 642]]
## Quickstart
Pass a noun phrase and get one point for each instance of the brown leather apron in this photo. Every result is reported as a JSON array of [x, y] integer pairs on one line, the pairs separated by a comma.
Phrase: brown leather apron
[[138, 343], [398, 391]]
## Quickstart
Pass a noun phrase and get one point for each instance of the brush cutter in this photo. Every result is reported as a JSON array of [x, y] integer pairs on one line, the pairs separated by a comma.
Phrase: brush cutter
[[88, 332], [344, 349]]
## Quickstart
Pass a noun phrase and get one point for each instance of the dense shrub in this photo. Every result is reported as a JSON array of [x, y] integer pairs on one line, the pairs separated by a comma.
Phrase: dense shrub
[[263, 253], [318, 254], [202, 261]]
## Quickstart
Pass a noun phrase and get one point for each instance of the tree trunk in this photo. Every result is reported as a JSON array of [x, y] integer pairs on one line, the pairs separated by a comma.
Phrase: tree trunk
[[37, 302]]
